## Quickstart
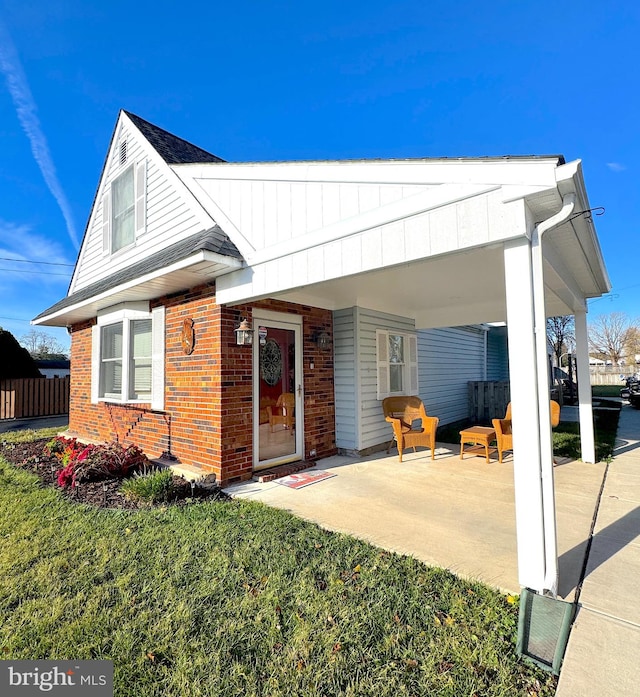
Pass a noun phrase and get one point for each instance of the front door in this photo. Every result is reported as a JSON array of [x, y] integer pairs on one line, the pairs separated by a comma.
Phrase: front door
[[277, 389]]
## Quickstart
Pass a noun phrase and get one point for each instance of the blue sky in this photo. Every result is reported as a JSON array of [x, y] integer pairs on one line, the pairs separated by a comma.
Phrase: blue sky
[[297, 80]]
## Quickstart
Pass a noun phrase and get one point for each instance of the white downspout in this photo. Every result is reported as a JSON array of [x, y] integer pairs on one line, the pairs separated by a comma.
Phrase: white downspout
[[544, 414]]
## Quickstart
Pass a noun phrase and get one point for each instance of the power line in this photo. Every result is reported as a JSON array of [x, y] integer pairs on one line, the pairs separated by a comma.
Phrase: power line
[[29, 261], [45, 273]]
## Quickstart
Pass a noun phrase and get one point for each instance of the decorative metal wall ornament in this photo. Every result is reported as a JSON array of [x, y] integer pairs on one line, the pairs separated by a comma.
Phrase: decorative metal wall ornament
[[187, 338], [271, 362]]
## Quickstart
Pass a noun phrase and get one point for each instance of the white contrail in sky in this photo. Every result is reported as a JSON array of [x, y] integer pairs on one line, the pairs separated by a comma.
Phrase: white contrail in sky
[[28, 117]]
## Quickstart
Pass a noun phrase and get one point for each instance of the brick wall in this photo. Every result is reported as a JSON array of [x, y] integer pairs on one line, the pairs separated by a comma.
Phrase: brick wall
[[208, 416]]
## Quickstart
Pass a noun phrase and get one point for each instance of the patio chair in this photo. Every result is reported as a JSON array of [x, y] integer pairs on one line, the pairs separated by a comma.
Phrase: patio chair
[[282, 412], [401, 412], [502, 427]]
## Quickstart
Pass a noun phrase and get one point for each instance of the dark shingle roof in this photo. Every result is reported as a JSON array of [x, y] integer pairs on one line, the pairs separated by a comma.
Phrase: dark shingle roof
[[172, 149], [213, 240]]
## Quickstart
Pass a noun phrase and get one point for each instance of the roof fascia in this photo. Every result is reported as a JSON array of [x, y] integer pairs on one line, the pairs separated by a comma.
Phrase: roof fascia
[[524, 171], [571, 179], [198, 257]]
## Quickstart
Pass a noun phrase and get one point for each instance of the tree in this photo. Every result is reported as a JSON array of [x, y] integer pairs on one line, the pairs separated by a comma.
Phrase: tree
[[609, 336], [42, 345], [15, 361], [561, 335], [632, 346]]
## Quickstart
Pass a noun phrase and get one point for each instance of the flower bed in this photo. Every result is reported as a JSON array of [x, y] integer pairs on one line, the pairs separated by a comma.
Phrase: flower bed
[[95, 474]]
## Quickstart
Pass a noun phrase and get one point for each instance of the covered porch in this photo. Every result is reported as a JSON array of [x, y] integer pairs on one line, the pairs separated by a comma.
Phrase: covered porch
[[438, 243]]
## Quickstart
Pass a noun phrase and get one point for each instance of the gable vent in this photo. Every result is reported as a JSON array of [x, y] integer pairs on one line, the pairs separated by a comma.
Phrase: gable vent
[[123, 152]]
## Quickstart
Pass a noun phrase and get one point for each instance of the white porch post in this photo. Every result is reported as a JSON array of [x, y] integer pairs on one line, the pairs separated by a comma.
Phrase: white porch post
[[535, 531], [587, 438]]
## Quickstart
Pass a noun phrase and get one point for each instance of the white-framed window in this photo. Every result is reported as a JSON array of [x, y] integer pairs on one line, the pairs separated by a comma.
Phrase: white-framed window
[[124, 209], [123, 206], [128, 355], [397, 363]]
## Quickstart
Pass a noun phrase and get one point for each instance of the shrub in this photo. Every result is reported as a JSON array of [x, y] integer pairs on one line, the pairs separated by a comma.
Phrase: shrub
[[82, 462], [152, 487]]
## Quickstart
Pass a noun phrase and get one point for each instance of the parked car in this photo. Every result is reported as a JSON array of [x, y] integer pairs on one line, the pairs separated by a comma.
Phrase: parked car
[[631, 390]]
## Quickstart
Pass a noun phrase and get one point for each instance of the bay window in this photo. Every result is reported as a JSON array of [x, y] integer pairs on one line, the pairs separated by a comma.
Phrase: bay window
[[128, 355]]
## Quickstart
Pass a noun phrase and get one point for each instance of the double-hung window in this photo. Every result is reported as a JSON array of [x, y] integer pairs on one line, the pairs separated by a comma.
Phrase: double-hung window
[[397, 363], [123, 221], [124, 209], [128, 355]]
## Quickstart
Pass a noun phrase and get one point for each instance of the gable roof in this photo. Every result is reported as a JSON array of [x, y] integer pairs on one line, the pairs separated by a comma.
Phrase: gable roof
[[214, 241], [171, 148]]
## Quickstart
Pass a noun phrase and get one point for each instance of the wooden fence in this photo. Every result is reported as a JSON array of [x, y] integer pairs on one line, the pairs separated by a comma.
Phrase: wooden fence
[[30, 397], [488, 400], [611, 374]]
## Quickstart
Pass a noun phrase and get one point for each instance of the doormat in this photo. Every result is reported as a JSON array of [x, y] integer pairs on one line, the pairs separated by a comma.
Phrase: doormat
[[284, 470], [297, 481]]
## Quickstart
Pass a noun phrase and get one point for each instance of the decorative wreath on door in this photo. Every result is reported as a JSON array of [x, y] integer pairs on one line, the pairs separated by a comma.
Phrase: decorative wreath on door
[[271, 362]]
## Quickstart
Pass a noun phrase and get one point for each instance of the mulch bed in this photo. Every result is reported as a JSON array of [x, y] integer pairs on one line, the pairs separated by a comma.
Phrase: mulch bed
[[104, 493]]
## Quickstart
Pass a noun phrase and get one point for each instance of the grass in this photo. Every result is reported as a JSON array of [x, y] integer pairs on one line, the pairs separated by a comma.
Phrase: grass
[[150, 487], [240, 599], [566, 436]]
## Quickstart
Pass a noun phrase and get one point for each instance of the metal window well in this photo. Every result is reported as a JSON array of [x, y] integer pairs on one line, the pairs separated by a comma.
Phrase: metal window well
[[543, 629]]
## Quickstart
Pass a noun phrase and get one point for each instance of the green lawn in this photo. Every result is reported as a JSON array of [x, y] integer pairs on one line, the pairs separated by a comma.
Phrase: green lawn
[[240, 599]]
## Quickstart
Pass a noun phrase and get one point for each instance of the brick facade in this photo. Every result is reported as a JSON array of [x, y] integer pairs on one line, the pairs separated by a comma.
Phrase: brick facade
[[208, 412]]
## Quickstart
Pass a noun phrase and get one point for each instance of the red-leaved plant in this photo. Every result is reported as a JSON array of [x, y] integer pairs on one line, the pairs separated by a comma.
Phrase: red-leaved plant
[[93, 462]]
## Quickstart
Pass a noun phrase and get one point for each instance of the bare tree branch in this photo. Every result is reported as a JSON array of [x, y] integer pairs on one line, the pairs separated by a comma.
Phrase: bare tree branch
[[609, 336]]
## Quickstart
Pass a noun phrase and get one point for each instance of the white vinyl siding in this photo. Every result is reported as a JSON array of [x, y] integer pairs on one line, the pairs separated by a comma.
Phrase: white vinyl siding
[[128, 356], [360, 423], [497, 354], [164, 214], [346, 384], [449, 358]]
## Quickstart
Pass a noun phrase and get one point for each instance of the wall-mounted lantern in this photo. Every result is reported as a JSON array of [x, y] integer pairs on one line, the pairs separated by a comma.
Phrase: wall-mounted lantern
[[322, 340], [244, 334]]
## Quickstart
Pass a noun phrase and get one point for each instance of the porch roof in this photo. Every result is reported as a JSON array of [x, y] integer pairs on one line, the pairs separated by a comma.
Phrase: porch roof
[[433, 252]]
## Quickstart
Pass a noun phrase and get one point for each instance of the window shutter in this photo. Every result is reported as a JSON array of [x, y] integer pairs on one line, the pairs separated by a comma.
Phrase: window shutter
[[382, 358], [157, 359], [413, 365], [95, 364], [141, 197], [106, 222]]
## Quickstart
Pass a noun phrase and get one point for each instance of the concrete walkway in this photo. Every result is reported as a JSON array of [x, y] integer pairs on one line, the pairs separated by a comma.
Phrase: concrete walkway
[[603, 654]]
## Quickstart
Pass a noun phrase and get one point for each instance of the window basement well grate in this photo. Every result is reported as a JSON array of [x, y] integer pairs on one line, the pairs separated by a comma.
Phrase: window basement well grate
[[543, 629]]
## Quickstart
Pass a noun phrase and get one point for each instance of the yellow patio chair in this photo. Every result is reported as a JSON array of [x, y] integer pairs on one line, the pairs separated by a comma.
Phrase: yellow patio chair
[[502, 427], [401, 412], [283, 412]]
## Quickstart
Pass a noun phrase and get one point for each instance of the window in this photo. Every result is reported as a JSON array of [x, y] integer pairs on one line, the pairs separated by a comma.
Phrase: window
[[397, 361], [124, 209], [128, 355]]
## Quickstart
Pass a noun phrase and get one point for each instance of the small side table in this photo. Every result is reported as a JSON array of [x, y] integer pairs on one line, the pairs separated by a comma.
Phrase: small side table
[[479, 437]]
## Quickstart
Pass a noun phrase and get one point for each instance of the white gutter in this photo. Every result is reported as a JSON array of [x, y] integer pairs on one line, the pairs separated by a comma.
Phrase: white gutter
[[544, 414]]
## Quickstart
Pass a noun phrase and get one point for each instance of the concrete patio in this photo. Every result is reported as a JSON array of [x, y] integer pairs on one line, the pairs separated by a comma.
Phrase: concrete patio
[[452, 513]]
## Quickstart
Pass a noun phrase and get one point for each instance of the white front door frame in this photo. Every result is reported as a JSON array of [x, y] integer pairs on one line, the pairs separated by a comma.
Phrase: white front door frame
[[280, 320]]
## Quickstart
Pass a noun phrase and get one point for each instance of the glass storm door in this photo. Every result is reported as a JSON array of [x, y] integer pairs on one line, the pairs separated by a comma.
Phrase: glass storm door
[[277, 389]]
